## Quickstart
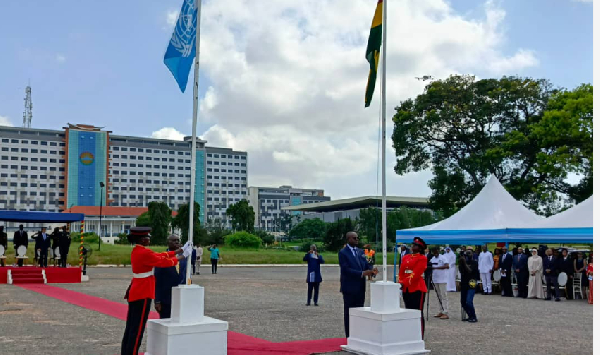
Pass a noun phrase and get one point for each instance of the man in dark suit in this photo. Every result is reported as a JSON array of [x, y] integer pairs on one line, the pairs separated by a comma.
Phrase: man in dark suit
[[167, 278], [520, 267], [4, 243], [506, 264], [354, 268], [64, 243], [20, 238], [42, 243], [551, 275]]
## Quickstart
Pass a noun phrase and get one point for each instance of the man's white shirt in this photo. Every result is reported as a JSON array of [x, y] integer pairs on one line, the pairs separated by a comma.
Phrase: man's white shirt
[[486, 262], [439, 276]]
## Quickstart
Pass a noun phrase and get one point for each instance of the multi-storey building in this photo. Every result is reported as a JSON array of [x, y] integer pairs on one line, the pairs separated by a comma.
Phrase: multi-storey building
[[269, 201], [81, 165]]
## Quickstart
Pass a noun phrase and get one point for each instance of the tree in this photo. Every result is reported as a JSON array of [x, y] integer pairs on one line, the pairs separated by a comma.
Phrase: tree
[[217, 230], [242, 216], [335, 237], [284, 223], [369, 222], [465, 129], [143, 220], [312, 229], [266, 237], [160, 216], [181, 221]]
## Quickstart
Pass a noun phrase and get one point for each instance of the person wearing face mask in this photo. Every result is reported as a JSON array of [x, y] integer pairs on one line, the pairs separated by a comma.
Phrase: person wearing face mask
[[535, 268], [411, 279], [468, 284]]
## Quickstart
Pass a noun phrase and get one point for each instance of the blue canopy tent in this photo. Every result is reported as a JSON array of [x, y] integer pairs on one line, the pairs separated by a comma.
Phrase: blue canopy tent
[[40, 217]]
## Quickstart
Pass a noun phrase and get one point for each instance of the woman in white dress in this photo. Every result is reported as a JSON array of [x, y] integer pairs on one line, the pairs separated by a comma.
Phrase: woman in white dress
[[535, 266], [451, 259]]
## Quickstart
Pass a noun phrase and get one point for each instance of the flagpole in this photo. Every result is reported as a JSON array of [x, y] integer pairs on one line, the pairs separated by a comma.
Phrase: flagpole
[[193, 145], [383, 141]]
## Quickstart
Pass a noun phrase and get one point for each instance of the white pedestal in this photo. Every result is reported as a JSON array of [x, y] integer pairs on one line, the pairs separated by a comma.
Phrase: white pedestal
[[188, 331], [385, 328]]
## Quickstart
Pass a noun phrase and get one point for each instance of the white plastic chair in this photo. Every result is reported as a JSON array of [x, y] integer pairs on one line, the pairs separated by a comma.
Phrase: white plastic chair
[[577, 282]]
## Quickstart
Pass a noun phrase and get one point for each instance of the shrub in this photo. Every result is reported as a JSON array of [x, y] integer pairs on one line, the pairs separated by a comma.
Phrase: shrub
[[88, 237], [122, 239], [265, 237], [243, 240]]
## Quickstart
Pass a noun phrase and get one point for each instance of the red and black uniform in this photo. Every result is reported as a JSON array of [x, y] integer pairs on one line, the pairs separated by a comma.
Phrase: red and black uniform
[[141, 293], [413, 286]]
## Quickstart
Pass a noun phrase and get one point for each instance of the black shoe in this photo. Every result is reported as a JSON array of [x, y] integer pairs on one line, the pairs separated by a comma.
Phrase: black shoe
[[308, 304], [548, 299], [473, 320], [557, 300], [465, 319], [316, 305]]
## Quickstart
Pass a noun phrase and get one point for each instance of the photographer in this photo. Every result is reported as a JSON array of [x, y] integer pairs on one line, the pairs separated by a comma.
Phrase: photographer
[[313, 276], [468, 283]]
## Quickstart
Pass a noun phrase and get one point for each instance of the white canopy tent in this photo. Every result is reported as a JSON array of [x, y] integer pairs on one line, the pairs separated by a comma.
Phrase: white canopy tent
[[578, 216]]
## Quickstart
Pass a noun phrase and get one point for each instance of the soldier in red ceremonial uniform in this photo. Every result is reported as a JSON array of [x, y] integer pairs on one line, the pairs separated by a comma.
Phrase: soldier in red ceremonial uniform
[[411, 278], [141, 290]]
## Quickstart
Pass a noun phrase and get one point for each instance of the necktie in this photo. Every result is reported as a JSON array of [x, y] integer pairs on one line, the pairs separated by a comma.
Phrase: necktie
[[355, 251]]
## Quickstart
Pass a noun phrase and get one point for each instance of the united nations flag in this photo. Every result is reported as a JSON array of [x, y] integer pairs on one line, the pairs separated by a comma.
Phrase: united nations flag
[[182, 47]]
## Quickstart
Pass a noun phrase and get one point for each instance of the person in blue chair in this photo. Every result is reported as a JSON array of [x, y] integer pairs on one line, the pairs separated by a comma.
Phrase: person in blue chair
[[167, 278]]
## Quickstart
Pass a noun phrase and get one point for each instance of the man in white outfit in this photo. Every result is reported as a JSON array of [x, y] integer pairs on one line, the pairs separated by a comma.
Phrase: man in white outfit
[[486, 267], [451, 259], [199, 252]]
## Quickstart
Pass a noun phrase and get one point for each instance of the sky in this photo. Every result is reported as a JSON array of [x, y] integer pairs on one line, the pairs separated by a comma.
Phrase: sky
[[283, 80]]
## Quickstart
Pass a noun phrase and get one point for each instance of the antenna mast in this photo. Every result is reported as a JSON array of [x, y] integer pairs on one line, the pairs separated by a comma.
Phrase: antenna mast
[[28, 112]]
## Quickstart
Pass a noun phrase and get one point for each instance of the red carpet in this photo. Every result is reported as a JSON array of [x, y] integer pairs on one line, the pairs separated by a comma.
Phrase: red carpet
[[237, 343], [53, 274]]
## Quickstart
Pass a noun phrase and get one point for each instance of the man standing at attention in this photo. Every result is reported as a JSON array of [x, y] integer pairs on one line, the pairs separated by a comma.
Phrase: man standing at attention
[[167, 278], [353, 270], [4, 243], [520, 266], [42, 244], [20, 238], [486, 266], [440, 267], [64, 243], [506, 261]]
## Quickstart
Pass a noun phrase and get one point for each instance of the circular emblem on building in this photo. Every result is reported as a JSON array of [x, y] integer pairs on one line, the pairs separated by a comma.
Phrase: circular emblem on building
[[86, 158]]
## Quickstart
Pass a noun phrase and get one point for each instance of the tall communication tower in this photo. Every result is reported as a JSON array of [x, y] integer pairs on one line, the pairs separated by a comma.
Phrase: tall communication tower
[[27, 113]]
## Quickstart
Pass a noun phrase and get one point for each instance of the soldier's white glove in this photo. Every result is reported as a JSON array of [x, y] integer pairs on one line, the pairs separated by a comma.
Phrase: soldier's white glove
[[187, 252]]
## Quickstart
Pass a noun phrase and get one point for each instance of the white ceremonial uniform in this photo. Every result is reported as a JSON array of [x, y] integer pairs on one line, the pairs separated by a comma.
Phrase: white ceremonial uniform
[[451, 258], [486, 265]]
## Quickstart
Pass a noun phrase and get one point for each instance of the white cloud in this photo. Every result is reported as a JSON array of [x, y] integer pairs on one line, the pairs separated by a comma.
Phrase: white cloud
[[60, 58], [290, 89], [171, 17], [168, 133], [4, 121]]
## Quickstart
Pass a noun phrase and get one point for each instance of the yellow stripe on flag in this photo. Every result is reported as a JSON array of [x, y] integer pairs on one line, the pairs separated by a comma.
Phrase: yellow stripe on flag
[[378, 17]]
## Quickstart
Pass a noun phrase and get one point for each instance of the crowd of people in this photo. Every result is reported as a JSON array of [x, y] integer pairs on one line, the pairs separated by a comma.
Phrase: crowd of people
[[56, 244], [424, 269]]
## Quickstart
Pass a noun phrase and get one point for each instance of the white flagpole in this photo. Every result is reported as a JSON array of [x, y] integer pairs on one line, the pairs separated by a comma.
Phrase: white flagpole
[[193, 145], [383, 141]]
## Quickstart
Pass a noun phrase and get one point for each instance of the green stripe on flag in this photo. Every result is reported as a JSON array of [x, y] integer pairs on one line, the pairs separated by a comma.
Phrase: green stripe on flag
[[373, 50]]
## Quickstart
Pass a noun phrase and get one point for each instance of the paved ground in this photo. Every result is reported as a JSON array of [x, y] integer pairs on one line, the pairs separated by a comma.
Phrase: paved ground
[[269, 303]]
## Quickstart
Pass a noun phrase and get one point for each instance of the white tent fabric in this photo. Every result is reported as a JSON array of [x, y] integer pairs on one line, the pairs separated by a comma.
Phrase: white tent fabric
[[492, 208], [578, 216]]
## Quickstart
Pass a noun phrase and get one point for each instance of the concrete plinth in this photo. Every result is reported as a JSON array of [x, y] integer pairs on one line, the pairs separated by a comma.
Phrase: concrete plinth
[[385, 328], [189, 331]]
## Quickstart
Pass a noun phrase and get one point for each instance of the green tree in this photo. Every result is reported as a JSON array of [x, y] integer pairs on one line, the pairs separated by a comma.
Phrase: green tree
[[182, 222], [312, 229], [266, 237], [465, 129], [284, 223], [160, 216], [242, 216], [335, 237], [143, 220]]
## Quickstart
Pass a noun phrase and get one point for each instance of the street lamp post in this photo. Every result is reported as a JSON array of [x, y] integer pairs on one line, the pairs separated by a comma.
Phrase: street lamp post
[[101, 193]]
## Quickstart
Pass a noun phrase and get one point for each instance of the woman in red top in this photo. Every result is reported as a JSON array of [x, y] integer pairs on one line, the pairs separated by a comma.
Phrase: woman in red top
[[411, 278], [140, 293]]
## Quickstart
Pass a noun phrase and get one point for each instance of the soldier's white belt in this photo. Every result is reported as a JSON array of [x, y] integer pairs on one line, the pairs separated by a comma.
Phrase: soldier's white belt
[[143, 275], [408, 271]]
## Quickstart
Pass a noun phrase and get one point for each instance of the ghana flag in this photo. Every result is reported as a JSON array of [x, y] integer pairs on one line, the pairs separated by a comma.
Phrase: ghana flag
[[373, 48]]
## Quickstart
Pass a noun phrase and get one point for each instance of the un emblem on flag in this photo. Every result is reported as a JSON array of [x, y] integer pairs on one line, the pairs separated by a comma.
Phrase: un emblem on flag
[[184, 35]]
